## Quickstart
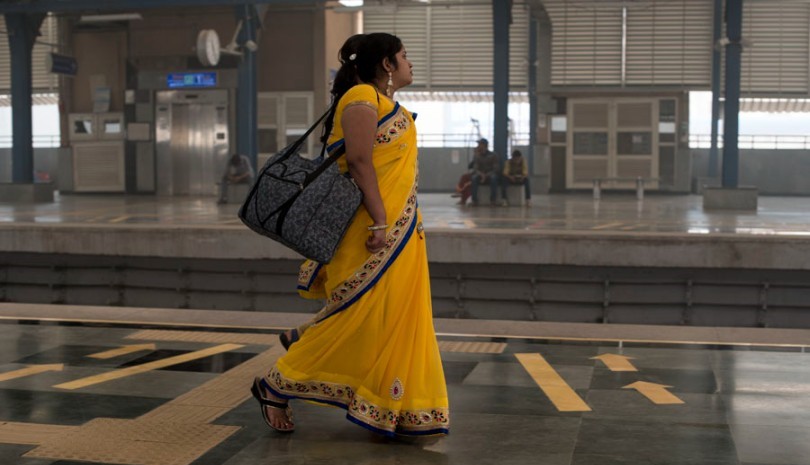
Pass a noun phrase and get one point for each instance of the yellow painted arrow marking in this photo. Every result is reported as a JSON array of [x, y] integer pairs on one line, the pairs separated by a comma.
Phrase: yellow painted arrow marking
[[552, 384], [30, 370], [657, 393], [616, 362], [157, 364], [123, 350]]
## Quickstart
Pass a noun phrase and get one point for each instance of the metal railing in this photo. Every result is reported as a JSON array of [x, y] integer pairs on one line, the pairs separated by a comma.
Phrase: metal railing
[[462, 140], [696, 141], [40, 142], [755, 141]]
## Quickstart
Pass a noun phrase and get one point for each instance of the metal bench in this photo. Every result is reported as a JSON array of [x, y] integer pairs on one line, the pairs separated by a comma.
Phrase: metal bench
[[597, 185]]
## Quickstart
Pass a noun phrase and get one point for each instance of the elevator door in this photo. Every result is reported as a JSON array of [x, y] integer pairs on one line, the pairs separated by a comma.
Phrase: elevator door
[[192, 141], [192, 149]]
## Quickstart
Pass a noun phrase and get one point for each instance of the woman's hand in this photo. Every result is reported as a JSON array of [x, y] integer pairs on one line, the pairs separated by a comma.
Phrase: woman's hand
[[376, 241]]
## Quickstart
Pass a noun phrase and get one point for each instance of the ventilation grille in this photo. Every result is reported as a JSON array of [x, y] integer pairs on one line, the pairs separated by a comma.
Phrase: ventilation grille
[[98, 167]]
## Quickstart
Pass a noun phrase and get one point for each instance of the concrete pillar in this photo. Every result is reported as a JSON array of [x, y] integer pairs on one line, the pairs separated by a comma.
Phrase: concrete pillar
[[501, 17], [731, 118], [731, 196], [533, 110], [718, 29], [246, 99], [23, 29]]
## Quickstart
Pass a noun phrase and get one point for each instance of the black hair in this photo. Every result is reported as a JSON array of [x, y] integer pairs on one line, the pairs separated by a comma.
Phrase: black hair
[[369, 51], [517, 153], [361, 58]]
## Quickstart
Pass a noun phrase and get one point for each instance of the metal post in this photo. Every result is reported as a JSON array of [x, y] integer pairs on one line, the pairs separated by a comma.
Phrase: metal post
[[731, 155], [533, 103], [246, 101], [718, 27], [501, 17], [597, 189], [639, 188], [23, 30]]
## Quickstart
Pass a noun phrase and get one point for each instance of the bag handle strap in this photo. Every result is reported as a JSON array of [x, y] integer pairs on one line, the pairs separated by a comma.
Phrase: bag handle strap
[[330, 112], [333, 157]]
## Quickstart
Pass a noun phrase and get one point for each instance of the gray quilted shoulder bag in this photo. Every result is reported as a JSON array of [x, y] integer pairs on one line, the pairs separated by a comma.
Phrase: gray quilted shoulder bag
[[307, 205]]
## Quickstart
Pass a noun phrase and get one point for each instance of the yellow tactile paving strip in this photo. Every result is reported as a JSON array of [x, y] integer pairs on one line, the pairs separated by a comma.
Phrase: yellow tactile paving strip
[[176, 433], [216, 397], [271, 339], [143, 442], [204, 336], [30, 433], [472, 347]]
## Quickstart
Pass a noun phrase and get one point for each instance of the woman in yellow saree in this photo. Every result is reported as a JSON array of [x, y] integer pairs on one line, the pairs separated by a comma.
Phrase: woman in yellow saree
[[372, 348]]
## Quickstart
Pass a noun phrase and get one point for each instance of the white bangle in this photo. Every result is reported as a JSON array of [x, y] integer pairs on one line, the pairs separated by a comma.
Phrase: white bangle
[[377, 227]]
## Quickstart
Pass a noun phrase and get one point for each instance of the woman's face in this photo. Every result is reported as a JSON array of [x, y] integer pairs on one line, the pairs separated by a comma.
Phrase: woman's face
[[403, 75]]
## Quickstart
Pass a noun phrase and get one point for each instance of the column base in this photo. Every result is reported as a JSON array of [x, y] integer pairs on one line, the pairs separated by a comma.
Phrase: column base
[[722, 198], [30, 193]]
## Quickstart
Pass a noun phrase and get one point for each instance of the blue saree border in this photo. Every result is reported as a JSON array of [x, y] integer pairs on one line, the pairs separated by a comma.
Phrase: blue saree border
[[311, 279], [405, 239]]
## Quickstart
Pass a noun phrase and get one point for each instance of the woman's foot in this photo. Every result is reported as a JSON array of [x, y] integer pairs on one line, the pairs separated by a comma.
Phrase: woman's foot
[[288, 338], [276, 412]]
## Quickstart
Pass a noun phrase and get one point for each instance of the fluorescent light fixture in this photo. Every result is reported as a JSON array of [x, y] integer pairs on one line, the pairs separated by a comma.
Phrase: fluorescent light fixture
[[351, 3], [110, 17]]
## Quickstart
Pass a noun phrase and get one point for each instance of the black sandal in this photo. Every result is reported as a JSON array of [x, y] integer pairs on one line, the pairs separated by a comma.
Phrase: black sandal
[[265, 402], [287, 342]]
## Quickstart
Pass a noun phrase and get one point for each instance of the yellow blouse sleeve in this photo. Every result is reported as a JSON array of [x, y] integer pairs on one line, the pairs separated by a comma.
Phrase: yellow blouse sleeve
[[362, 94]]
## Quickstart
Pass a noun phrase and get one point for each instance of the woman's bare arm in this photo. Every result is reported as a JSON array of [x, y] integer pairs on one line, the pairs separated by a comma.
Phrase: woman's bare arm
[[359, 127]]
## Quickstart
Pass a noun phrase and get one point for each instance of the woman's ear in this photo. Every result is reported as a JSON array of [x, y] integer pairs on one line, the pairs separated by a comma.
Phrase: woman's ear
[[386, 63]]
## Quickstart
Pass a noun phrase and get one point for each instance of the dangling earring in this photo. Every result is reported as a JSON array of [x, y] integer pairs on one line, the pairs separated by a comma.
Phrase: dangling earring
[[390, 88]]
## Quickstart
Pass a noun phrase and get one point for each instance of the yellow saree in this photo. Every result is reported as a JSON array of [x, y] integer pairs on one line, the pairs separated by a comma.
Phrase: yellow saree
[[372, 348]]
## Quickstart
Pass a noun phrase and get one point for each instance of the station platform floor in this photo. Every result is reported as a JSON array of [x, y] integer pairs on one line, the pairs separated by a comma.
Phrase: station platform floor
[[123, 385], [170, 387], [660, 231], [614, 212]]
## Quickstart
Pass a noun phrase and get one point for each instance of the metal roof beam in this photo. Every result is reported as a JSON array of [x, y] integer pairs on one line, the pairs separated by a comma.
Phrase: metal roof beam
[[56, 6]]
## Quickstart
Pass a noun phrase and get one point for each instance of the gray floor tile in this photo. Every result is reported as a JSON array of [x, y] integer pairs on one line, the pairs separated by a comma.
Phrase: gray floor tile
[[665, 358], [696, 381], [456, 372], [774, 445], [751, 381], [766, 408], [500, 400], [69, 408], [631, 459], [647, 442], [514, 375], [629, 404], [740, 361]]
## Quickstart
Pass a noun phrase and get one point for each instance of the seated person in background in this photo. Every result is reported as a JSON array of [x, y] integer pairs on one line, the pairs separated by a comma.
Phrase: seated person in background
[[516, 172], [464, 186], [485, 171], [238, 171]]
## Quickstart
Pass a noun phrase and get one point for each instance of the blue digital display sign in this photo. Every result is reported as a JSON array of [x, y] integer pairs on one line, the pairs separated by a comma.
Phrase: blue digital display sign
[[192, 80]]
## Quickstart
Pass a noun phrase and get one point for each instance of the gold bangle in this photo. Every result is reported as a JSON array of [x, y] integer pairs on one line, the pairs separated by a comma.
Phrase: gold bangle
[[377, 227]]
